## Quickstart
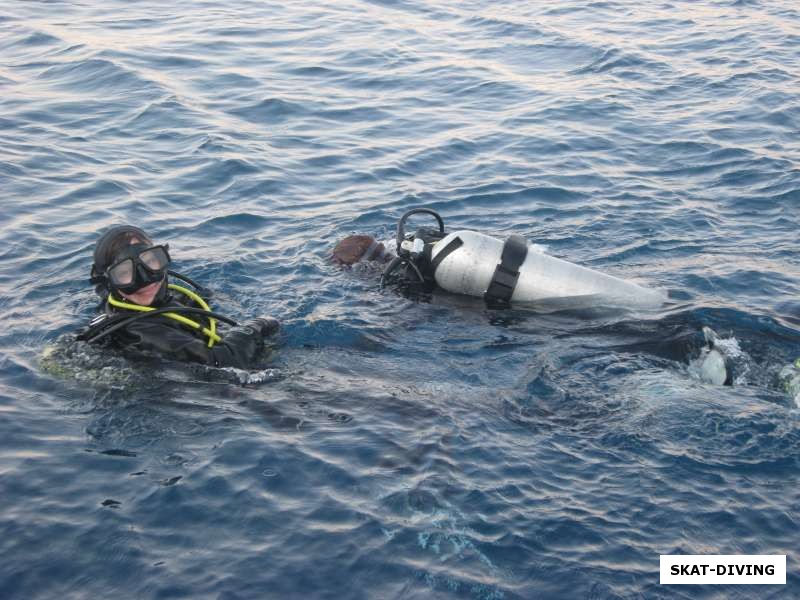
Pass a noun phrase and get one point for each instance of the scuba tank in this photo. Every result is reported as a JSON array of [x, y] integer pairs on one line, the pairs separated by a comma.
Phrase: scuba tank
[[475, 264]]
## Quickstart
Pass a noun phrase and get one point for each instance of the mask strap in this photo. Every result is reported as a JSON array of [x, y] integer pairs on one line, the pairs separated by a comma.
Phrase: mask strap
[[373, 247]]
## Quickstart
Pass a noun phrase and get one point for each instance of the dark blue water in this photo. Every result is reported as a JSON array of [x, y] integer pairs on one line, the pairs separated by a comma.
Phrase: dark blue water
[[402, 449]]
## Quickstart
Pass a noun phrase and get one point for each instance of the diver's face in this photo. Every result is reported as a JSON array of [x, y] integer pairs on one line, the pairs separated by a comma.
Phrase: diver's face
[[145, 295]]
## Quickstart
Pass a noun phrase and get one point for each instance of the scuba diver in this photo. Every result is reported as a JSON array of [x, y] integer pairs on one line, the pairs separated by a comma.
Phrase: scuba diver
[[501, 272], [512, 271], [143, 312]]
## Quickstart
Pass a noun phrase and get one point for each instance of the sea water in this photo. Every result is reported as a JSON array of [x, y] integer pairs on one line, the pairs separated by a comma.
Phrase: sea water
[[401, 447]]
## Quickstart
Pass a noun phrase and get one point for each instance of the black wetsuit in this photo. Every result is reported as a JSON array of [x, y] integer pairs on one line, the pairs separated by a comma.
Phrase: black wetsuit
[[165, 337]]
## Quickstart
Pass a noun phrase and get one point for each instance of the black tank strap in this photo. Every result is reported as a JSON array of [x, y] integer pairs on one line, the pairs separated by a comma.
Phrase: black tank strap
[[504, 280], [451, 247]]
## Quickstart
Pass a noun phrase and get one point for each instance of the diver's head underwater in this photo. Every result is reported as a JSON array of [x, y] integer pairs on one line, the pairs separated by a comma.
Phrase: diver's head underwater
[[356, 248], [145, 313]]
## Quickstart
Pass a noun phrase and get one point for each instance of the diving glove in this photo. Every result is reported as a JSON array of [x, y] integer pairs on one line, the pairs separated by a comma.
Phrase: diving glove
[[267, 326]]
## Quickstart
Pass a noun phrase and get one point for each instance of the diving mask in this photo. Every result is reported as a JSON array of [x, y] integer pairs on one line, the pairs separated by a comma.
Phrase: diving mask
[[138, 265]]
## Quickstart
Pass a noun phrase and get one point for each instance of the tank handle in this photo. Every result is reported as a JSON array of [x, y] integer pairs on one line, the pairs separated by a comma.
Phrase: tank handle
[[401, 224]]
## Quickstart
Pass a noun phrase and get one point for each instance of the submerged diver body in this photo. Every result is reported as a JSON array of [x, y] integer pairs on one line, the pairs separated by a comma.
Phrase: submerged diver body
[[146, 314], [501, 272]]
